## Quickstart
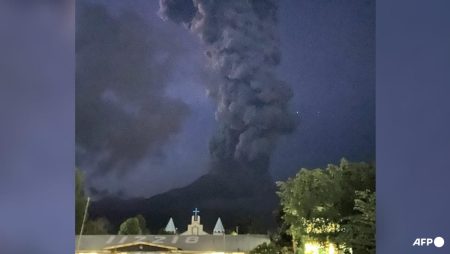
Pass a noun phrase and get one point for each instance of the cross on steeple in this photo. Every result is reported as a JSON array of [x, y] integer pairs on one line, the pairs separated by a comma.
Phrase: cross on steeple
[[196, 212]]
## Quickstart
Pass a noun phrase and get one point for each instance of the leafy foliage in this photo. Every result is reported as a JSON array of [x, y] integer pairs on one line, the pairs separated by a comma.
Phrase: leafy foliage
[[142, 224], [331, 204], [280, 241], [359, 232], [264, 249], [130, 227], [100, 226], [270, 248]]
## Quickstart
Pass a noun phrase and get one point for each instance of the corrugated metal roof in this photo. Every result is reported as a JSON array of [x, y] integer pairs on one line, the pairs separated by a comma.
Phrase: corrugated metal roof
[[226, 243]]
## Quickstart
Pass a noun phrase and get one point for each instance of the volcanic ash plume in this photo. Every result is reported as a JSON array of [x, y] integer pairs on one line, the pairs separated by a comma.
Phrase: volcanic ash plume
[[242, 45]]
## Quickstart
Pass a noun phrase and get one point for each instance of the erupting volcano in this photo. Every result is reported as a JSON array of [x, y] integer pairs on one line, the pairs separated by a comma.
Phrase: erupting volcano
[[241, 43]]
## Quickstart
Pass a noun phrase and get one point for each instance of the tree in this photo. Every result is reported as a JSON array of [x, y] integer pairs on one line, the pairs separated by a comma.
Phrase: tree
[[80, 200], [360, 231], [130, 227], [142, 224], [309, 204], [270, 248], [100, 226], [324, 204], [280, 242]]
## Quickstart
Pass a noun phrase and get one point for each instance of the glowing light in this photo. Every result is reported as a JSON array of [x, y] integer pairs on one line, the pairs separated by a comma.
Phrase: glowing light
[[331, 249], [312, 248], [316, 248]]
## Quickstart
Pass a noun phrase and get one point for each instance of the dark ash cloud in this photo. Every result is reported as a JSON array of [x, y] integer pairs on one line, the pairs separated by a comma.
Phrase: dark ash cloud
[[123, 66], [242, 45]]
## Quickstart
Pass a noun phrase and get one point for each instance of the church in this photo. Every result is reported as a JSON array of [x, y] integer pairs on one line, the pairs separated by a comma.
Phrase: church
[[193, 240]]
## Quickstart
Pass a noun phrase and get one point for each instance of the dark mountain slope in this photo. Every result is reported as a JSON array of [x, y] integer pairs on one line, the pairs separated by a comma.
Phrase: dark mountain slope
[[241, 199]]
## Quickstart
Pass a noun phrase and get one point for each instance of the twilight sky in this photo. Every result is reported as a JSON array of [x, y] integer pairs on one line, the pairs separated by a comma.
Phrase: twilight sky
[[128, 59]]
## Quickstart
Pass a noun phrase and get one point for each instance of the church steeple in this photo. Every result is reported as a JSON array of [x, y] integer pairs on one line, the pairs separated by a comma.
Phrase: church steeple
[[219, 229], [170, 228], [195, 228], [196, 216]]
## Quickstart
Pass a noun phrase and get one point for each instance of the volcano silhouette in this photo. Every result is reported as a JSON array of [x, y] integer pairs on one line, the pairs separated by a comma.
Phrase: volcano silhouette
[[243, 199]]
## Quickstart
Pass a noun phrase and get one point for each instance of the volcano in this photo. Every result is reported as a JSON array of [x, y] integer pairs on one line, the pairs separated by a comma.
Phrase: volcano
[[241, 45], [242, 199]]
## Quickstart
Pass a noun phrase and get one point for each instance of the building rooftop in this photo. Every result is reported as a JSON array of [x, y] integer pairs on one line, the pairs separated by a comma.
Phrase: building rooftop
[[186, 244]]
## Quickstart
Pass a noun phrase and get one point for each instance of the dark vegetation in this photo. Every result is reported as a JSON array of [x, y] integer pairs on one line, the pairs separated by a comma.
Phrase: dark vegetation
[[335, 204]]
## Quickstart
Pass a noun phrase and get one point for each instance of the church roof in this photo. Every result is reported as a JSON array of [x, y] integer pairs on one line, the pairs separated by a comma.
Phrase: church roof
[[170, 226], [219, 227], [224, 243], [140, 246]]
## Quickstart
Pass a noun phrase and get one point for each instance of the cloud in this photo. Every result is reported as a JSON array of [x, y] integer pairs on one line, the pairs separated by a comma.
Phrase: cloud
[[242, 45], [123, 68]]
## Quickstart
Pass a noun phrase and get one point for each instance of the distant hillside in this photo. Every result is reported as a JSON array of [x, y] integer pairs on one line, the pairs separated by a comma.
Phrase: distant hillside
[[247, 201]]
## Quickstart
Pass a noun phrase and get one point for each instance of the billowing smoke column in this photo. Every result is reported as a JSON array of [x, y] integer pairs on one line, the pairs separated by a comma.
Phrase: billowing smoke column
[[243, 48]]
